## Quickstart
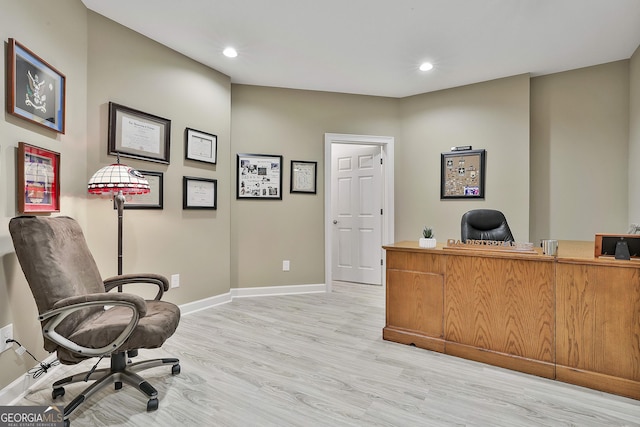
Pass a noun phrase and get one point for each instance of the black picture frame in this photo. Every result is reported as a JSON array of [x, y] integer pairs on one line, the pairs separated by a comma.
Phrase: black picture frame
[[138, 135], [462, 174], [259, 177], [199, 193], [153, 199], [304, 177], [36, 90], [200, 146]]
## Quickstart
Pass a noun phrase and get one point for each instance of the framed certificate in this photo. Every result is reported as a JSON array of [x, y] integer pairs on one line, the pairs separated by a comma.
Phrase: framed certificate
[[199, 193], [303, 176], [151, 200], [200, 146], [138, 135]]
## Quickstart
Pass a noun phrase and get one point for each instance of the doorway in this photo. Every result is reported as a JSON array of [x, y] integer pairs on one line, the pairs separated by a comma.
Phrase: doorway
[[360, 155]]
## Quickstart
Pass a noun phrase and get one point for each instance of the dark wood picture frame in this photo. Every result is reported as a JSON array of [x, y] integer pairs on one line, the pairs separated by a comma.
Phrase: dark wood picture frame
[[36, 91], [304, 177], [462, 174], [138, 135], [199, 193], [259, 177], [153, 199], [200, 146], [38, 179]]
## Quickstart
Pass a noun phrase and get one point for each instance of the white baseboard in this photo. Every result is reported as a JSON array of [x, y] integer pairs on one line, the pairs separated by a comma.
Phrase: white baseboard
[[15, 391], [19, 388]]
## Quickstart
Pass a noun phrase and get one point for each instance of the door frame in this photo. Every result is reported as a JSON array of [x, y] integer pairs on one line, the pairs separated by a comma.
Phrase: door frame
[[387, 145]]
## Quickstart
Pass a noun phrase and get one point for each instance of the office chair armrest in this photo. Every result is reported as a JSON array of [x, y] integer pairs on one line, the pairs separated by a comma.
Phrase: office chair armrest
[[67, 306], [155, 279]]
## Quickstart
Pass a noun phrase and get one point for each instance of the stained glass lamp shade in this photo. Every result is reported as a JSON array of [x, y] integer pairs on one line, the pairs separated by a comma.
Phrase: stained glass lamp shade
[[118, 179]]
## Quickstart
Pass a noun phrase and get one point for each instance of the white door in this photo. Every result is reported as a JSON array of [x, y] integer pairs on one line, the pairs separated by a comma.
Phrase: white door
[[356, 194]]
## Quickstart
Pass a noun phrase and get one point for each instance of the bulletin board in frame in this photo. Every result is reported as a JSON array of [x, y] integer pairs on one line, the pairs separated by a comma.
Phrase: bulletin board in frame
[[259, 176], [463, 174], [38, 179]]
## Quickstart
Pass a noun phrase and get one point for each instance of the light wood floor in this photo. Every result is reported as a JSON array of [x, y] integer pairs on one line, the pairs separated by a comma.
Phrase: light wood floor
[[319, 360]]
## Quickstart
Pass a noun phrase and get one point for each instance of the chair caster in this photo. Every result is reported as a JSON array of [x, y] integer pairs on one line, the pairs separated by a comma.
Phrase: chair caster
[[175, 369], [118, 385], [152, 405], [67, 423], [57, 392]]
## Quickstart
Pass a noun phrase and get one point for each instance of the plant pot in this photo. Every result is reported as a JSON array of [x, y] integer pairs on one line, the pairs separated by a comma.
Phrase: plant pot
[[427, 243]]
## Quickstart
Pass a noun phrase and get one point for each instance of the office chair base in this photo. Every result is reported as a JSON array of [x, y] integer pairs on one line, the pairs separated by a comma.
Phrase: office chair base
[[119, 372]]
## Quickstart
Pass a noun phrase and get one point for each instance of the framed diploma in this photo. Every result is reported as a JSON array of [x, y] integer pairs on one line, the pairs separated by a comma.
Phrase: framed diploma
[[38, 179], [200, 146], [303, 176], [259, 176], [199, 193], [138, 135], [151, 200], [35, 90]]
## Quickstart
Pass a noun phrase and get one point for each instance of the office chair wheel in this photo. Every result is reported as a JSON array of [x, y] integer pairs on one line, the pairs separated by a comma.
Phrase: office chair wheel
[[152, 405], [175, 369], [118, 385], [57, 392], [67, 423]]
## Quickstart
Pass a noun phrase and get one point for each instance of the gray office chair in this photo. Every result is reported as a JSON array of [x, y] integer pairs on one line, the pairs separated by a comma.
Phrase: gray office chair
[[485, 224], [71, 299]]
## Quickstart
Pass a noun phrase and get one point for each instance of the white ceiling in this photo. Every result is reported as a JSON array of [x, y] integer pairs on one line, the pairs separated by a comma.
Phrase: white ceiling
[[374, 47]]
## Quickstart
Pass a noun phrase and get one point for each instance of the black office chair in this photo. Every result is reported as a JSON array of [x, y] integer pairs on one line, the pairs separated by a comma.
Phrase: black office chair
[[485, 224]]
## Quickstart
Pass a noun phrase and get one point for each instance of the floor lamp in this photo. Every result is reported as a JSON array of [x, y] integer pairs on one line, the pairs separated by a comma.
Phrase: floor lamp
[[118, 179]]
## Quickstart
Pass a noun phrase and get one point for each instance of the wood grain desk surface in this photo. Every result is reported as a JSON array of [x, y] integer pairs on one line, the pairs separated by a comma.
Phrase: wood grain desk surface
[[569, 251]]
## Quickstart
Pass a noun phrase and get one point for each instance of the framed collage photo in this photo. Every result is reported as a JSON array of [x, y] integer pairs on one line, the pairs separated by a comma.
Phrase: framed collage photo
[[303, 176], [199, 193], [35, 90], [38, 179], [138, 135], [462, 174], [200, 146], [259, 176]]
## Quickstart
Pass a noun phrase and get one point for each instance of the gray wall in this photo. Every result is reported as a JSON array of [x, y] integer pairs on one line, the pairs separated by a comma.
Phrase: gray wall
[[634, 138], [579, 149], [49, 35], [494, 116], [291, 123]]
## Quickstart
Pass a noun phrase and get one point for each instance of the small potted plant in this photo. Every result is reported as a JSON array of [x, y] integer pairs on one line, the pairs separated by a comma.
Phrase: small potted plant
[[428, 239]]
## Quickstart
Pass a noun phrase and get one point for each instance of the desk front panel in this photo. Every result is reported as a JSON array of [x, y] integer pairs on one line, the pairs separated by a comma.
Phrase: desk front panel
[[502, 305]]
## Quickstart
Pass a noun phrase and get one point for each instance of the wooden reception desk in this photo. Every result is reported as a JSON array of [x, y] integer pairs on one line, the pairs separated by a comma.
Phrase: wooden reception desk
[[574, 318]]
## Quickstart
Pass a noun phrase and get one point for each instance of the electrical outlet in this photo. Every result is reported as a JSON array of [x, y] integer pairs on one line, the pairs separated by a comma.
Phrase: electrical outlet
[[285, 265], [175, 280], [6, 333]]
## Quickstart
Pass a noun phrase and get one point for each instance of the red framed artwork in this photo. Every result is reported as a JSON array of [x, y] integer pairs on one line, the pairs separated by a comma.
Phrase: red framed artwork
[[38, 179]]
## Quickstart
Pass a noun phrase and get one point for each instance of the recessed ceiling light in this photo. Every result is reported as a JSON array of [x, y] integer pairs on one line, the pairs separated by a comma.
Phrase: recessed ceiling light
[[426, 66], [230, 52]]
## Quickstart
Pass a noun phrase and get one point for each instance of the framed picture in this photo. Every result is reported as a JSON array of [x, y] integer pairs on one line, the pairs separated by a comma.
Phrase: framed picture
[[153, 199], [36, 90], [199, 193], [138, 135], [462, 174], [200, 146], [259, 176], [38, 179], [303, 176]]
